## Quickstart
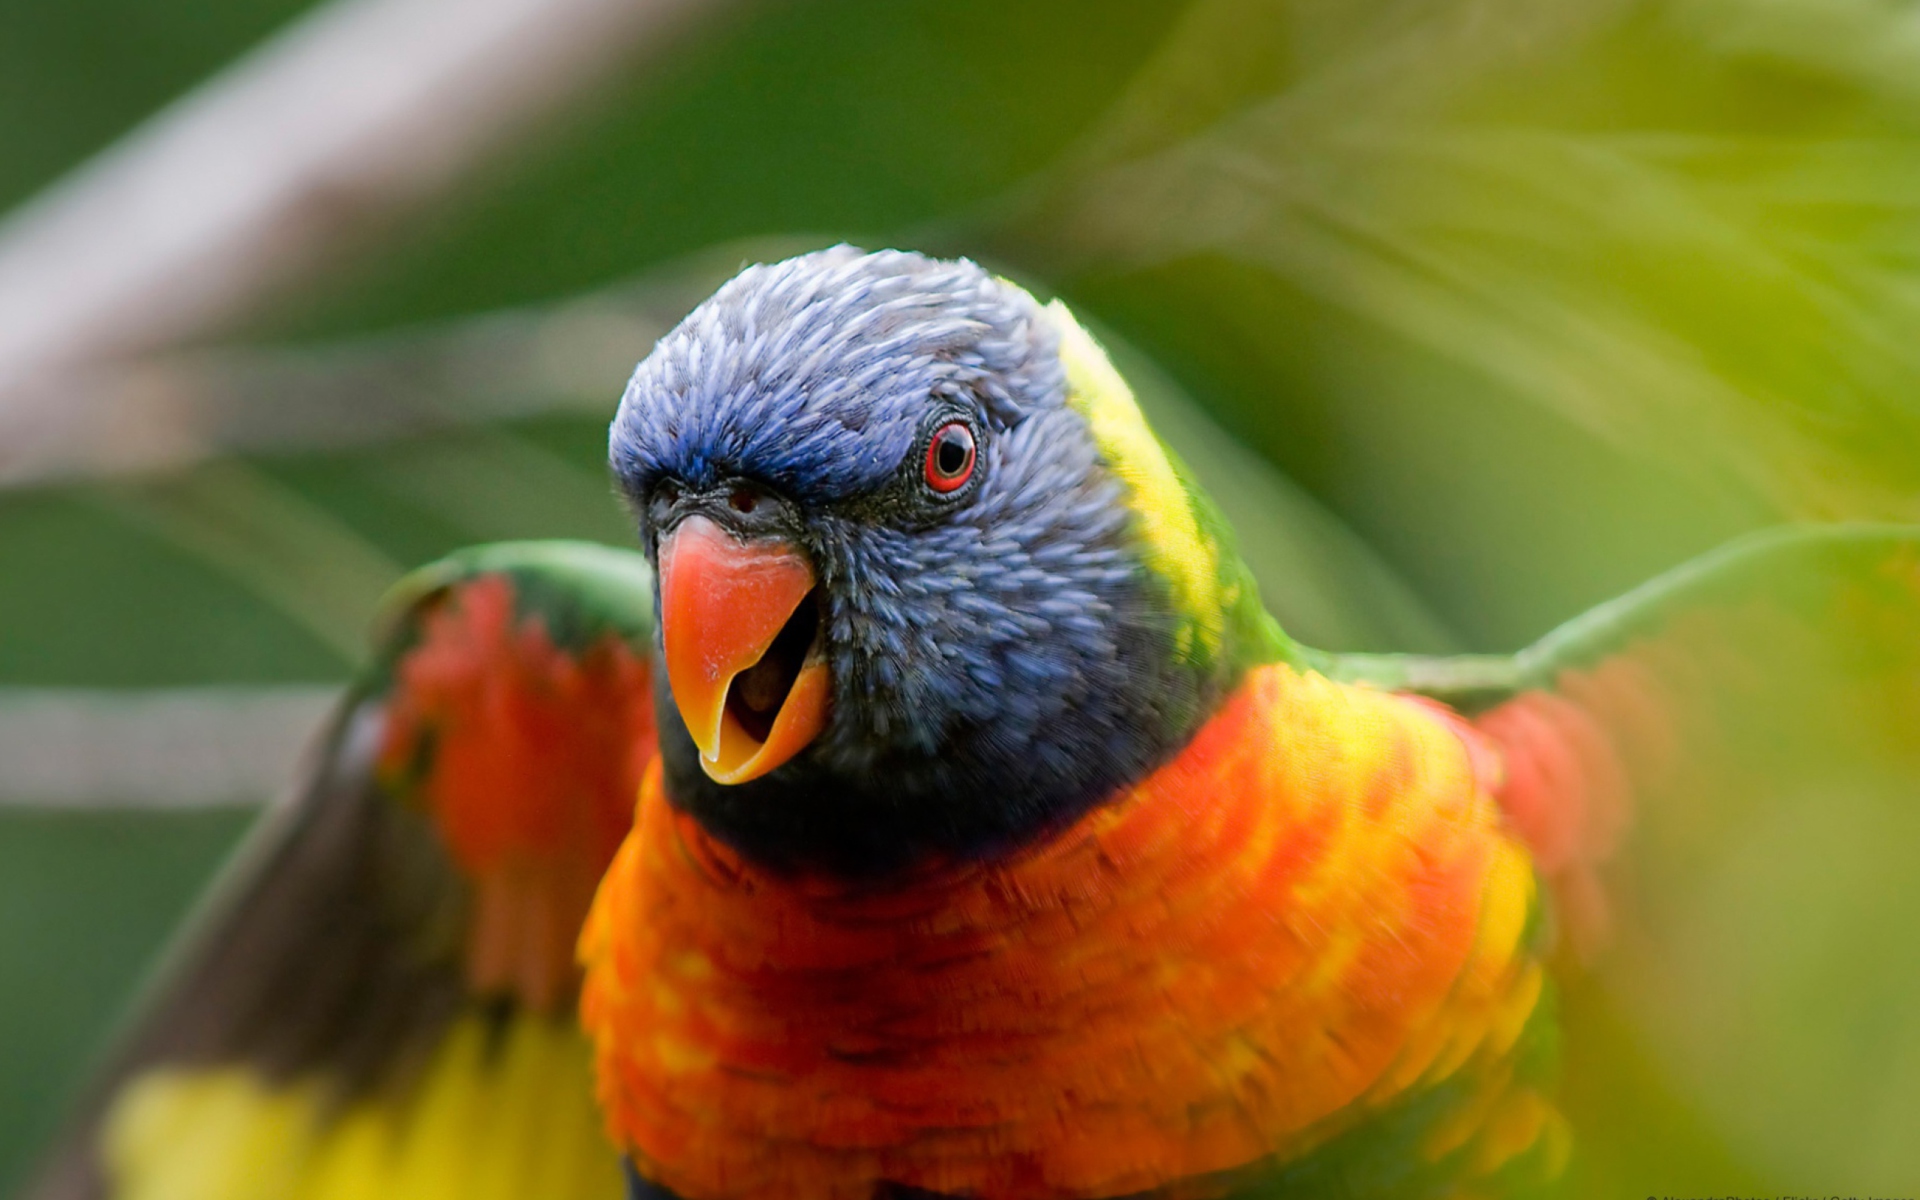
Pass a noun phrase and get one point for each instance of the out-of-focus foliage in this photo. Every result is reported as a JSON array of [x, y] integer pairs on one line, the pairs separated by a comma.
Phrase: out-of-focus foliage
[[1687, 227], [1473, 312]]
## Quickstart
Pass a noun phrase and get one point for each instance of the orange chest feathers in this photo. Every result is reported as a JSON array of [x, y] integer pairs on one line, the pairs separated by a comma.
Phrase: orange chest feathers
[[1312, 910]]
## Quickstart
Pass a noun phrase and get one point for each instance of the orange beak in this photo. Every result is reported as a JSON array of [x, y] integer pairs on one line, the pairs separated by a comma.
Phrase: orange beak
[[740, 648]]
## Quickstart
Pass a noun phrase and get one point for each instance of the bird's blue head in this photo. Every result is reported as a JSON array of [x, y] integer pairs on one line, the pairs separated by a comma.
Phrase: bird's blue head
[[927, 584]]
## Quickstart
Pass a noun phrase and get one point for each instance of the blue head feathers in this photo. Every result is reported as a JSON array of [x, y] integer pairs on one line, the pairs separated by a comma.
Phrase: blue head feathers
[[815, 375], [1000, 656]]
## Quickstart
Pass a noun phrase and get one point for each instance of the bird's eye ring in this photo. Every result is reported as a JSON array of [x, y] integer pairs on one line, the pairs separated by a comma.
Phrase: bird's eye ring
[[950, 457]]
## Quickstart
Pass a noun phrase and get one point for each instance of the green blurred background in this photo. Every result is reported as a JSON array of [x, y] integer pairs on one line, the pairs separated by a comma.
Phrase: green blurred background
[[1474, 313]]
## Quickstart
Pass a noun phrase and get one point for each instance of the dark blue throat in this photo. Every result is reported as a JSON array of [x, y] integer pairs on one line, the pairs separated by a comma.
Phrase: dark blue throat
[[990, 684], [988, 787]]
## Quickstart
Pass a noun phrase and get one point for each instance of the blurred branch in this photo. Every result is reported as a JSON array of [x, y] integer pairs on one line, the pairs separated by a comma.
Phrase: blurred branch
[[176, 410], [170, 411], [165, 748], [360, 110]]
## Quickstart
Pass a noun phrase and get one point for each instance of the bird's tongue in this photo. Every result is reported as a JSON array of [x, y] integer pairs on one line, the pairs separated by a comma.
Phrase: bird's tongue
[[737, 626]]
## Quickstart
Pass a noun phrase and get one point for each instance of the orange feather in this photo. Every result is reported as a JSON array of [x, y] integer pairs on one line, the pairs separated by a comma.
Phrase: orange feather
[[1313, 911], [532, 756]]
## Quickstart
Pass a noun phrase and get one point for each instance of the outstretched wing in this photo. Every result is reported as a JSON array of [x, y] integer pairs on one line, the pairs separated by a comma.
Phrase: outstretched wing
[[378, 999], [1792, 649], [1719, 775]]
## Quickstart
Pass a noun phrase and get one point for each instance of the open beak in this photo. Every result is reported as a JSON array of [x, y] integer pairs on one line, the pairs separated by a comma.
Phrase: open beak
[[741, 630]]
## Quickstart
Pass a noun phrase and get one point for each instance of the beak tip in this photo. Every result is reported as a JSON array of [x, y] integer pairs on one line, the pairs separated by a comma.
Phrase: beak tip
[[741, 759], [718, 773], [702, 710]]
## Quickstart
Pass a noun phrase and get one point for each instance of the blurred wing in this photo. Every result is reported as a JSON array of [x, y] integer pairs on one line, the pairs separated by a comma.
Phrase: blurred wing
[[1794, 652], [378, 1000]]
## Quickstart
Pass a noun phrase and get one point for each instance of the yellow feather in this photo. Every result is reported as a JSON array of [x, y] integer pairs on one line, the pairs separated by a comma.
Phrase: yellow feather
[[1177, 549], [494, 1117]]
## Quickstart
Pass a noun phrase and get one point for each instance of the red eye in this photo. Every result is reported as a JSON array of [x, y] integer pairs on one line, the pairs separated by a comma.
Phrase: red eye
[[950, 457]]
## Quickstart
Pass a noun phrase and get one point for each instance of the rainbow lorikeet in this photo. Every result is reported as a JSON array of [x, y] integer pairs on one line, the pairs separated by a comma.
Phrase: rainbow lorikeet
[[991, 839]]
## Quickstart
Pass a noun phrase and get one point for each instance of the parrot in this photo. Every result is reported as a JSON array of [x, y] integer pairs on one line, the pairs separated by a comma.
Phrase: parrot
[[929, 807]]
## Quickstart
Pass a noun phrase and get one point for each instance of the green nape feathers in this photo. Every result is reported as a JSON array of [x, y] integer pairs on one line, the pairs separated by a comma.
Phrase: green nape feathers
[[1188, 543]]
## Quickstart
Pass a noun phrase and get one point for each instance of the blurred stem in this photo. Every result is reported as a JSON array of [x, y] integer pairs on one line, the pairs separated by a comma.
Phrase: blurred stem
[[282, 548], [159, 748], [171, 411]]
